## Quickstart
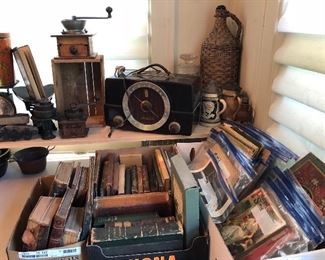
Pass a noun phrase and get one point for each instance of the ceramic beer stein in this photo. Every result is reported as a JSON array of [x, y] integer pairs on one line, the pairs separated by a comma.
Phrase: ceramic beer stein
[[212, 106]]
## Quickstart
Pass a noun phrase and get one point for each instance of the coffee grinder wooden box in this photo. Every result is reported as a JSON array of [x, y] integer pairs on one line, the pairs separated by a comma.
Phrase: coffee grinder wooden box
[[77, 45]]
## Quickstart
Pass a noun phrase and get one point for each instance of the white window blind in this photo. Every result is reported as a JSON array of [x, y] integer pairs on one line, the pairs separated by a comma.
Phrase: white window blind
[[298, 107]]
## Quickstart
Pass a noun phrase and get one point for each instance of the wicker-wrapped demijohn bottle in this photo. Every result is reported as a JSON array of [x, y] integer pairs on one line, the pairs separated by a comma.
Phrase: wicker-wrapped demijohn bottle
[[221, 53]]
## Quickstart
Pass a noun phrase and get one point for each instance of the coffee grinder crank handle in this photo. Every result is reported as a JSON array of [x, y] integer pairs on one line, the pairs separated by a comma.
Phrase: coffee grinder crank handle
[[108, 10]]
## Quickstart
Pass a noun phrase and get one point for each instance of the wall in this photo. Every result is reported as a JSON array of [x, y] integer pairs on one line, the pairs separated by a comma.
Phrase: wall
[[192, 22], [259, 19]]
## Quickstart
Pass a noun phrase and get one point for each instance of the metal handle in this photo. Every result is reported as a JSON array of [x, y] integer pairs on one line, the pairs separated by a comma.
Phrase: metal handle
[[239, 29], [153, 67], [108, 9]]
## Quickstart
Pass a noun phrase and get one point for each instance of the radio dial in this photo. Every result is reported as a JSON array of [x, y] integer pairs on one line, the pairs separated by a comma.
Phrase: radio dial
[[174, 127], [118, 121]]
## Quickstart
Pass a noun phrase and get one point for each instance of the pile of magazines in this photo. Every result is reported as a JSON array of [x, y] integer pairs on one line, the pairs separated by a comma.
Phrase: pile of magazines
[[254, 189]]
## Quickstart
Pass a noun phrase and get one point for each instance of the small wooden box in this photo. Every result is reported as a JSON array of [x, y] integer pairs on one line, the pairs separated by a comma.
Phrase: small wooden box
[[80, 82], [72, 129], [75, 45]]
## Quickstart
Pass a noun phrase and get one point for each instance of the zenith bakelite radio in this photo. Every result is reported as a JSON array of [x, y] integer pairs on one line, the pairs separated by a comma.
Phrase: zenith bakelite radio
[[152, 101]]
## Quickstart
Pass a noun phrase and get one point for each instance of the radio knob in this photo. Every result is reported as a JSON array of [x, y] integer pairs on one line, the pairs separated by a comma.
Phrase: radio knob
[[118, 121], [174, 127]]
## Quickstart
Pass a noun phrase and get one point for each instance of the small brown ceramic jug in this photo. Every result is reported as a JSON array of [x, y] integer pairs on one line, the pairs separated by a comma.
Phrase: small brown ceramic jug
[[245, 112], [233, 101]]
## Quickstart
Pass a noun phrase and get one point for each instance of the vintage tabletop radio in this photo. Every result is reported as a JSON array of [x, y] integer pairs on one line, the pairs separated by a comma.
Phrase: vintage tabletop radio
[[152, 101]]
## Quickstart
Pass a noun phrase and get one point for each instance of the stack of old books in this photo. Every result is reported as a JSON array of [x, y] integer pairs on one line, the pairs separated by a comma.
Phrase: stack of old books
[[60, 218], [133, 209]]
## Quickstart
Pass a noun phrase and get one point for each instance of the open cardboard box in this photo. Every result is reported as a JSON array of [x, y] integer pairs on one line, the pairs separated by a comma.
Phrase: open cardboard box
[[198, 248], [218, 248], [76, 251]]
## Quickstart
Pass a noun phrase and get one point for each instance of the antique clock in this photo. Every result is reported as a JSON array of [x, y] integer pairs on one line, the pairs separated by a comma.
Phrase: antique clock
[[152, 102]]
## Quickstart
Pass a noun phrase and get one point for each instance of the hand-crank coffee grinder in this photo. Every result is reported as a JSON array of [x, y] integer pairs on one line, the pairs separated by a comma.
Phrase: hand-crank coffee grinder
[[75, 42]]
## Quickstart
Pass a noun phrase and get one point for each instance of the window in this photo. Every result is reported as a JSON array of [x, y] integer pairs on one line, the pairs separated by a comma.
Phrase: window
[[298, 107], [123, 39]]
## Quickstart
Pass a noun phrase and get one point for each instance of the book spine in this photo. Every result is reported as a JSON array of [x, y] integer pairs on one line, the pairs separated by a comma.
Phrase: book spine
[[115, 178], [121, 179], [137, 233], [83, 188], [134, 177], [145, 178], [128, 180], [162, 168], [140, 179], [107, 179], [63, 175], [153, 182], [133, 203], [160, 185], [57, 231], [60, 218]]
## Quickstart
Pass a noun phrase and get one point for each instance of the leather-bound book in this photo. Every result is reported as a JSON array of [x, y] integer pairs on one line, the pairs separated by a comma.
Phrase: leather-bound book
[[107, 178], [83, 188], [37, 231], [133, 203], [157, 176], [87, 219], [131, 159], [128, 180], [145, 179], [62, 178], [153, 182], [73, 227], [115, 178], [102, 221], [140, 179], [60, 219], [161, 229], [61, 216], [121, 179], [134, 179], [162, 168]]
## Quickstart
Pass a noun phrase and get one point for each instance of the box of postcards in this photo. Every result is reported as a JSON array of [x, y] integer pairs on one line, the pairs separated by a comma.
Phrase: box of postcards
[[144, 207], [55, 220], [258, 198]]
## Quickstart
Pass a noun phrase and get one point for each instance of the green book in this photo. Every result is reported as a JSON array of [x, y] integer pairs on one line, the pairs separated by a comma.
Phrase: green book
[[137, 232], [101, 221], [186, 196]]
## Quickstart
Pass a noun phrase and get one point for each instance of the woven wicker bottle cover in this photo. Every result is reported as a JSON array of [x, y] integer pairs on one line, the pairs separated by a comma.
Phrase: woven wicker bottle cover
[[220, 53]]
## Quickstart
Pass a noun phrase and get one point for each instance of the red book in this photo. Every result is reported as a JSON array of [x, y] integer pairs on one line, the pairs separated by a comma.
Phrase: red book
[[310, 173]]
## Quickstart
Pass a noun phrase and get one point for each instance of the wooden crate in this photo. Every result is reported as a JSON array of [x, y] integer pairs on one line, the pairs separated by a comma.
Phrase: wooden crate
[[80, 82]]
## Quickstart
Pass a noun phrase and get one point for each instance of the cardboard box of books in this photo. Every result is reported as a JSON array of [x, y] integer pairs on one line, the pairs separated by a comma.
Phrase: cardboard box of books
[[51, 224], [134, 214]]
